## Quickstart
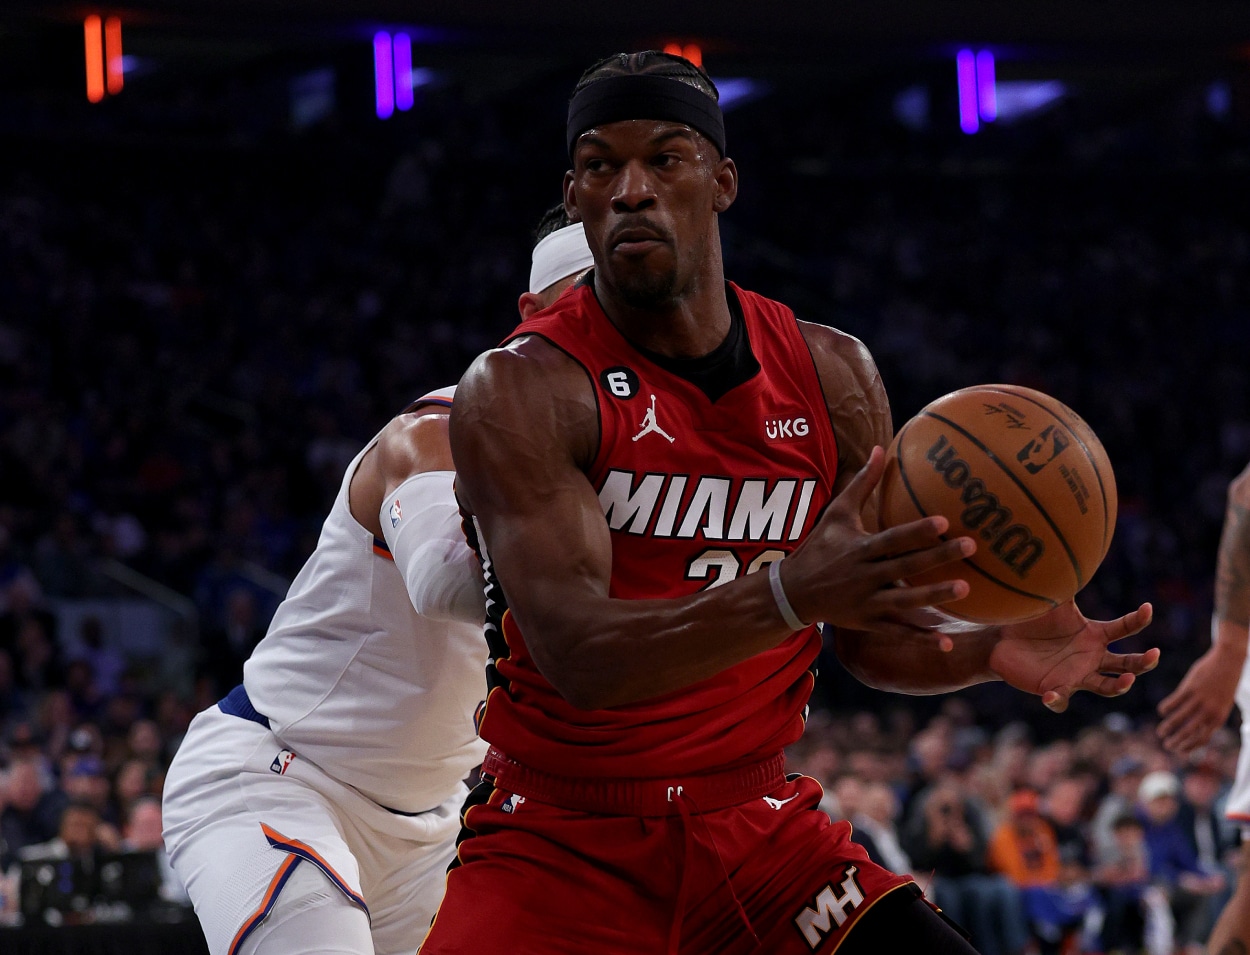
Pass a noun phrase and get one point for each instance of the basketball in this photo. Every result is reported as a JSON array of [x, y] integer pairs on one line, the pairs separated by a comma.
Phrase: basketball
[[1023, 475]]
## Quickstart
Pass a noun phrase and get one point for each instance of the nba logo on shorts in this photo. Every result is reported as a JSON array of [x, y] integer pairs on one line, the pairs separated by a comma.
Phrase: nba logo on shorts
[[512, 803], [396, 514], [282, 762]]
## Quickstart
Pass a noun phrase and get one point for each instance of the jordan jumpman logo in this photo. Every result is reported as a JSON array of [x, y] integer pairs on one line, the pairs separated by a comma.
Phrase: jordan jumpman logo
[[649, 424]]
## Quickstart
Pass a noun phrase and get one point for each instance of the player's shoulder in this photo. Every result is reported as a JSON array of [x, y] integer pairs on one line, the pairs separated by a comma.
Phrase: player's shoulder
[[839, 354], [413, 442], [1239, 488]]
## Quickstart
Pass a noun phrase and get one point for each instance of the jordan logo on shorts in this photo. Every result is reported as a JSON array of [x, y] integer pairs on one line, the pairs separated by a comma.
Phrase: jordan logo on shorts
[[649, 425], [282, 762], [830, 909], [778, 803]]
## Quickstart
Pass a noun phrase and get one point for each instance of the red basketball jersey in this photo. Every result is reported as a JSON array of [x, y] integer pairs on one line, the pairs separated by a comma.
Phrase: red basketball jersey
[[695, 493]]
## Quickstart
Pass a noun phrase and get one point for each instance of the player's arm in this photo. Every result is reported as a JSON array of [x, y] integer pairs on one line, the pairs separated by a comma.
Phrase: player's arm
[[524, 431], [1204, 698], [402, 493], [1052, 657]]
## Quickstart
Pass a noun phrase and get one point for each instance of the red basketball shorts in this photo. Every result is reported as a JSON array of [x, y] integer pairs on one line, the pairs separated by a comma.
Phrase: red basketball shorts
[[769, 875]]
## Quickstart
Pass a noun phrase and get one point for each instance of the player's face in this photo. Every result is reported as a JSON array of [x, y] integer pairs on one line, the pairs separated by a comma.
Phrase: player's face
[[648, 193]]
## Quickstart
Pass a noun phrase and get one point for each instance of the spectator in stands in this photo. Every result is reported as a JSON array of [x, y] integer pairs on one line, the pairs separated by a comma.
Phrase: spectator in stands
[[1173, 863], [876, 824], [142, 833], [31, 815], [1124, 779], [944, 836], [1024, 848], [1063, 807], [78, 842], [1212, 840], [1134, 909]]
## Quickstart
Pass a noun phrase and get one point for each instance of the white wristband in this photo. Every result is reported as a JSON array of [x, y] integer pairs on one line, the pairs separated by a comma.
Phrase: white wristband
[[779, 595]]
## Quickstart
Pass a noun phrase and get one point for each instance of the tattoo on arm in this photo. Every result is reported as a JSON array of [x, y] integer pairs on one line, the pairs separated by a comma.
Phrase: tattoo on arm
[[1233, 946], [1232, 570]]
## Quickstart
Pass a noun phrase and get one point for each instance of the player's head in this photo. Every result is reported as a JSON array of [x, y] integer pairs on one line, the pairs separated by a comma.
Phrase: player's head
[[560, 258], [647, 141]]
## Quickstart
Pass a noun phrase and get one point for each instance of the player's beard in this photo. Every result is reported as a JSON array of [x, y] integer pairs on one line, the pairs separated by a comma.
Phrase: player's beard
[[648, 288]]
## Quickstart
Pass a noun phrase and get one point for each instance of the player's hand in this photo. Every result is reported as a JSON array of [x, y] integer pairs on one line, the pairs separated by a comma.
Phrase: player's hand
[[1055, 655], [1200, 704], [848, 577]]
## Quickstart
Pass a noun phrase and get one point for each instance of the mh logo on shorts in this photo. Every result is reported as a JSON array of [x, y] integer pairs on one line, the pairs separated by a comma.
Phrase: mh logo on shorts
[[282, 762], [830, 909]]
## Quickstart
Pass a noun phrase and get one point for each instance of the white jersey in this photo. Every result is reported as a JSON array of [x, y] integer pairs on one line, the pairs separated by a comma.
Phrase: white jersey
[[352, 679]]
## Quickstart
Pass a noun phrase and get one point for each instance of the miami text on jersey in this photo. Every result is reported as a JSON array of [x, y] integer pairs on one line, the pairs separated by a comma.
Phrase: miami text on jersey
[[719, 508]]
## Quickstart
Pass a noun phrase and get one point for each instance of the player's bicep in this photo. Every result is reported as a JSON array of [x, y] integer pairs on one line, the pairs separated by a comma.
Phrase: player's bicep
[[855, 396], [519, 435]]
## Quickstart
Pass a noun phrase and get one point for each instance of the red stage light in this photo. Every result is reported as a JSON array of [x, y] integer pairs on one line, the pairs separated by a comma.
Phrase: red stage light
[[93, 38]]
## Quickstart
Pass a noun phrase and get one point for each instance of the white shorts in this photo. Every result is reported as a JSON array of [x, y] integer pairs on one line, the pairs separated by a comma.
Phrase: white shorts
[[241, 812], [1237, 807]]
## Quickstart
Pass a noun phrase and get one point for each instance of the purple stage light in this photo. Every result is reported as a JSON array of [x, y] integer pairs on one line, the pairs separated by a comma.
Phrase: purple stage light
[[403, 72], [383, 74], [965, 63], [987, 94]]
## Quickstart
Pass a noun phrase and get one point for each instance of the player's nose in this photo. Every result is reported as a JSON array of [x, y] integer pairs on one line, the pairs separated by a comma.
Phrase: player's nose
[[635, 188]]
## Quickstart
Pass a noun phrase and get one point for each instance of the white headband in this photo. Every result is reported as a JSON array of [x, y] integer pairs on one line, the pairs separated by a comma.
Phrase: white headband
[[559, 255]]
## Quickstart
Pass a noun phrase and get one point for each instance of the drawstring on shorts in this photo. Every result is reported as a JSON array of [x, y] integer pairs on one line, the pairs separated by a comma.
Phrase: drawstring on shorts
[[684, 805]]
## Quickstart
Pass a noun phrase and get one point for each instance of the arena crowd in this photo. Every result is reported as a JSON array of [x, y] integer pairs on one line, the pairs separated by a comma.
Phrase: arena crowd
[[195, 342]]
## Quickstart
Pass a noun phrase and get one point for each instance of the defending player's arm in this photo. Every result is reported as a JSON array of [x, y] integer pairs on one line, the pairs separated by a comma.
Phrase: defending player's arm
[[402, 493], [1201, 703], [524, 431], [1052, 656]]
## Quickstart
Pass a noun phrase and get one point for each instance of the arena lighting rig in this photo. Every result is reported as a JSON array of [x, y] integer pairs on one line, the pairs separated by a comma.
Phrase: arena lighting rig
[[102, 40], [978, 94]]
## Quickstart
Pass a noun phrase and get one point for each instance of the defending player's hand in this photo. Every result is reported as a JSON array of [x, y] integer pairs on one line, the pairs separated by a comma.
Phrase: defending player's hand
[[1201, 703], [1055, 655], [846, 576]]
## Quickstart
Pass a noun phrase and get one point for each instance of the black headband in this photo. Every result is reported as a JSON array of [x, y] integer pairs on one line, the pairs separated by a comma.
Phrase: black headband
[[644, 96]]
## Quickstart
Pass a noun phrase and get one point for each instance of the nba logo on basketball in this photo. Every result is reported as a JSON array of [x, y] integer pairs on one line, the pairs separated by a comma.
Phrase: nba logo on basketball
[[396, 514], [282, 762]]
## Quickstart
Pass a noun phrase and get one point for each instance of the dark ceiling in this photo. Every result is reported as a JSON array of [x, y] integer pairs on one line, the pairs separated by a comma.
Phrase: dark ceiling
[[810, 28]]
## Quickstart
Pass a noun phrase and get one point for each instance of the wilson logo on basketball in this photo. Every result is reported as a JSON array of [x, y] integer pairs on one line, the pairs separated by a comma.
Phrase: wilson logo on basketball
[[778, 429], [1013, 544]]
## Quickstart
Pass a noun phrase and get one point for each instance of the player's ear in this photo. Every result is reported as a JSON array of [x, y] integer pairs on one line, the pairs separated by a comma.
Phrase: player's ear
[[570, 198], [726, 175], [528, 304]]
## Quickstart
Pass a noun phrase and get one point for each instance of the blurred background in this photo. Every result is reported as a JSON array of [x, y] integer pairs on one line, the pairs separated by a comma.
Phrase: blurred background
[[236, 238]]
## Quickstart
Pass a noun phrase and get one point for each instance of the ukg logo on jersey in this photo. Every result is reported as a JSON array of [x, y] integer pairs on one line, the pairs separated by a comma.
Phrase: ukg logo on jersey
[[779, 429]]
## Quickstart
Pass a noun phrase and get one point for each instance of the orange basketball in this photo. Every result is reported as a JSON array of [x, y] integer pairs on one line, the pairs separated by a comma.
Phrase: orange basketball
[[1024, 476]]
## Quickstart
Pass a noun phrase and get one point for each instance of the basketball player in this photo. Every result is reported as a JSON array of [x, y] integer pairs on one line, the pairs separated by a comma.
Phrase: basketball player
[[314, 809], [1201, 703], [670, 479]]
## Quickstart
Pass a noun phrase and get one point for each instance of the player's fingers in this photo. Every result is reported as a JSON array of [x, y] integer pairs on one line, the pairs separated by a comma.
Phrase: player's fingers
[[1130, 662], [1105, 685], [906, 597], [855, 495], [918, 561], [1055, 701], [1185, 715], [1189, 739], [1172, 700], [1129, 624], [918, 535]]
